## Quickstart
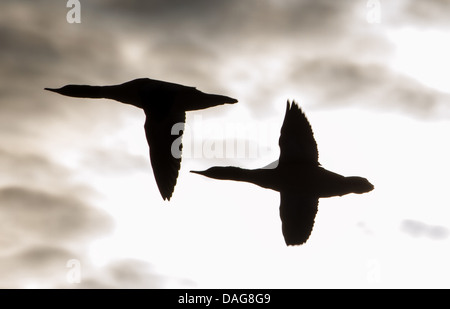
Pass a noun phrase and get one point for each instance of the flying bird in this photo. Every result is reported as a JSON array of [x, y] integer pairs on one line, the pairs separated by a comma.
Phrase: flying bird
[[165, 105], [298, 176]]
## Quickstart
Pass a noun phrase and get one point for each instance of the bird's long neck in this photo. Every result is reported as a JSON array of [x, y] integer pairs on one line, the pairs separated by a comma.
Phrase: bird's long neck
[[260, 177], [121, 93]]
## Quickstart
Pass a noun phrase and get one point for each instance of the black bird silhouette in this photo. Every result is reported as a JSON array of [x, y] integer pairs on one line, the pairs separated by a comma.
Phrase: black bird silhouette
[[164, 105], [298, 176]]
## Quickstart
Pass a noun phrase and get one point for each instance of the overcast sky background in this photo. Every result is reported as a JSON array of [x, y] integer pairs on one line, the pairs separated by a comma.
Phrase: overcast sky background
[[76, 182]]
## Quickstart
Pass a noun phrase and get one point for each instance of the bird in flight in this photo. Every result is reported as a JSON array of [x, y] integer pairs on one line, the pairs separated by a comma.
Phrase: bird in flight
[[165, 105], [297, 175]]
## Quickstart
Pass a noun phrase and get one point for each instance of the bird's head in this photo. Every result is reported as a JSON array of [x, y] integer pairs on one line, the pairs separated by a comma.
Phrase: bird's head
[[359, 184]]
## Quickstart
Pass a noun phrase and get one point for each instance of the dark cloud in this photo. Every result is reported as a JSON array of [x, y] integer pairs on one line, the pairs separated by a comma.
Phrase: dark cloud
[[417, 229], [367, 85], [32, 216], [34, 267], [53, 267], [236, 18], [336, 55], [195, 43], [30, 168], [31, 61], [40, 230]]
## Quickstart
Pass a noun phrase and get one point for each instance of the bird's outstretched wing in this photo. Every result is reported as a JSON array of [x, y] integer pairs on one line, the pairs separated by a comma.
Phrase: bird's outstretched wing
[[297, 215], [297, 141], [164, 139]]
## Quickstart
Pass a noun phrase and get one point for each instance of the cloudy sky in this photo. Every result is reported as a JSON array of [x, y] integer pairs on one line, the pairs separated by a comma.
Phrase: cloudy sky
[[79, 207]]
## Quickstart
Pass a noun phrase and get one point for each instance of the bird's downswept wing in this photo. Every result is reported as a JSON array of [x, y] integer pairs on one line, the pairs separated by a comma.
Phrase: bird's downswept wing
[[297, 141], [164, 139], [297, 215]]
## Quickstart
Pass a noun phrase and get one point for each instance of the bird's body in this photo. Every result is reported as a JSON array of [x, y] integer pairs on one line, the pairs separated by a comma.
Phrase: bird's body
[[298, 176], [149, 94], [302, 179], [165, 105]]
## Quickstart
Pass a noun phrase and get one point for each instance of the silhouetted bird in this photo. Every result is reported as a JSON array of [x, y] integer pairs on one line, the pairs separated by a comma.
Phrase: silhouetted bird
[[164, 105], [298, 176]]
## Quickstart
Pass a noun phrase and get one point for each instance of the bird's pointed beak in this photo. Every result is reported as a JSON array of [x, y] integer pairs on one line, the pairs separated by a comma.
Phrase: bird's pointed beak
[[53, 89], [78, 91], [206, 173]]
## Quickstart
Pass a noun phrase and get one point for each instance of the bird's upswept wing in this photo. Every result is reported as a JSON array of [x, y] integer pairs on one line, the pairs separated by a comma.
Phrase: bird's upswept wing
[[164, 139], [297, 141], [297, 215]]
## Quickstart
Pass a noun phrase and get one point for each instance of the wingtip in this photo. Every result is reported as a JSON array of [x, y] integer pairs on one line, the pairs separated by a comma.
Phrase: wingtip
[[292, 243], [291, 104], [166, 196], [166, 192]]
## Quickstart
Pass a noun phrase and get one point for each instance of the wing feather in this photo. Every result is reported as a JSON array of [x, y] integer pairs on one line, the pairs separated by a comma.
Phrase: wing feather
[[164, 139], [297, 215], [297, 141]]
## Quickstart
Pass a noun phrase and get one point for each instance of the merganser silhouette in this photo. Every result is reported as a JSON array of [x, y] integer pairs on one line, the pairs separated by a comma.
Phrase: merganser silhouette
[[164, 105], [298, 176]]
